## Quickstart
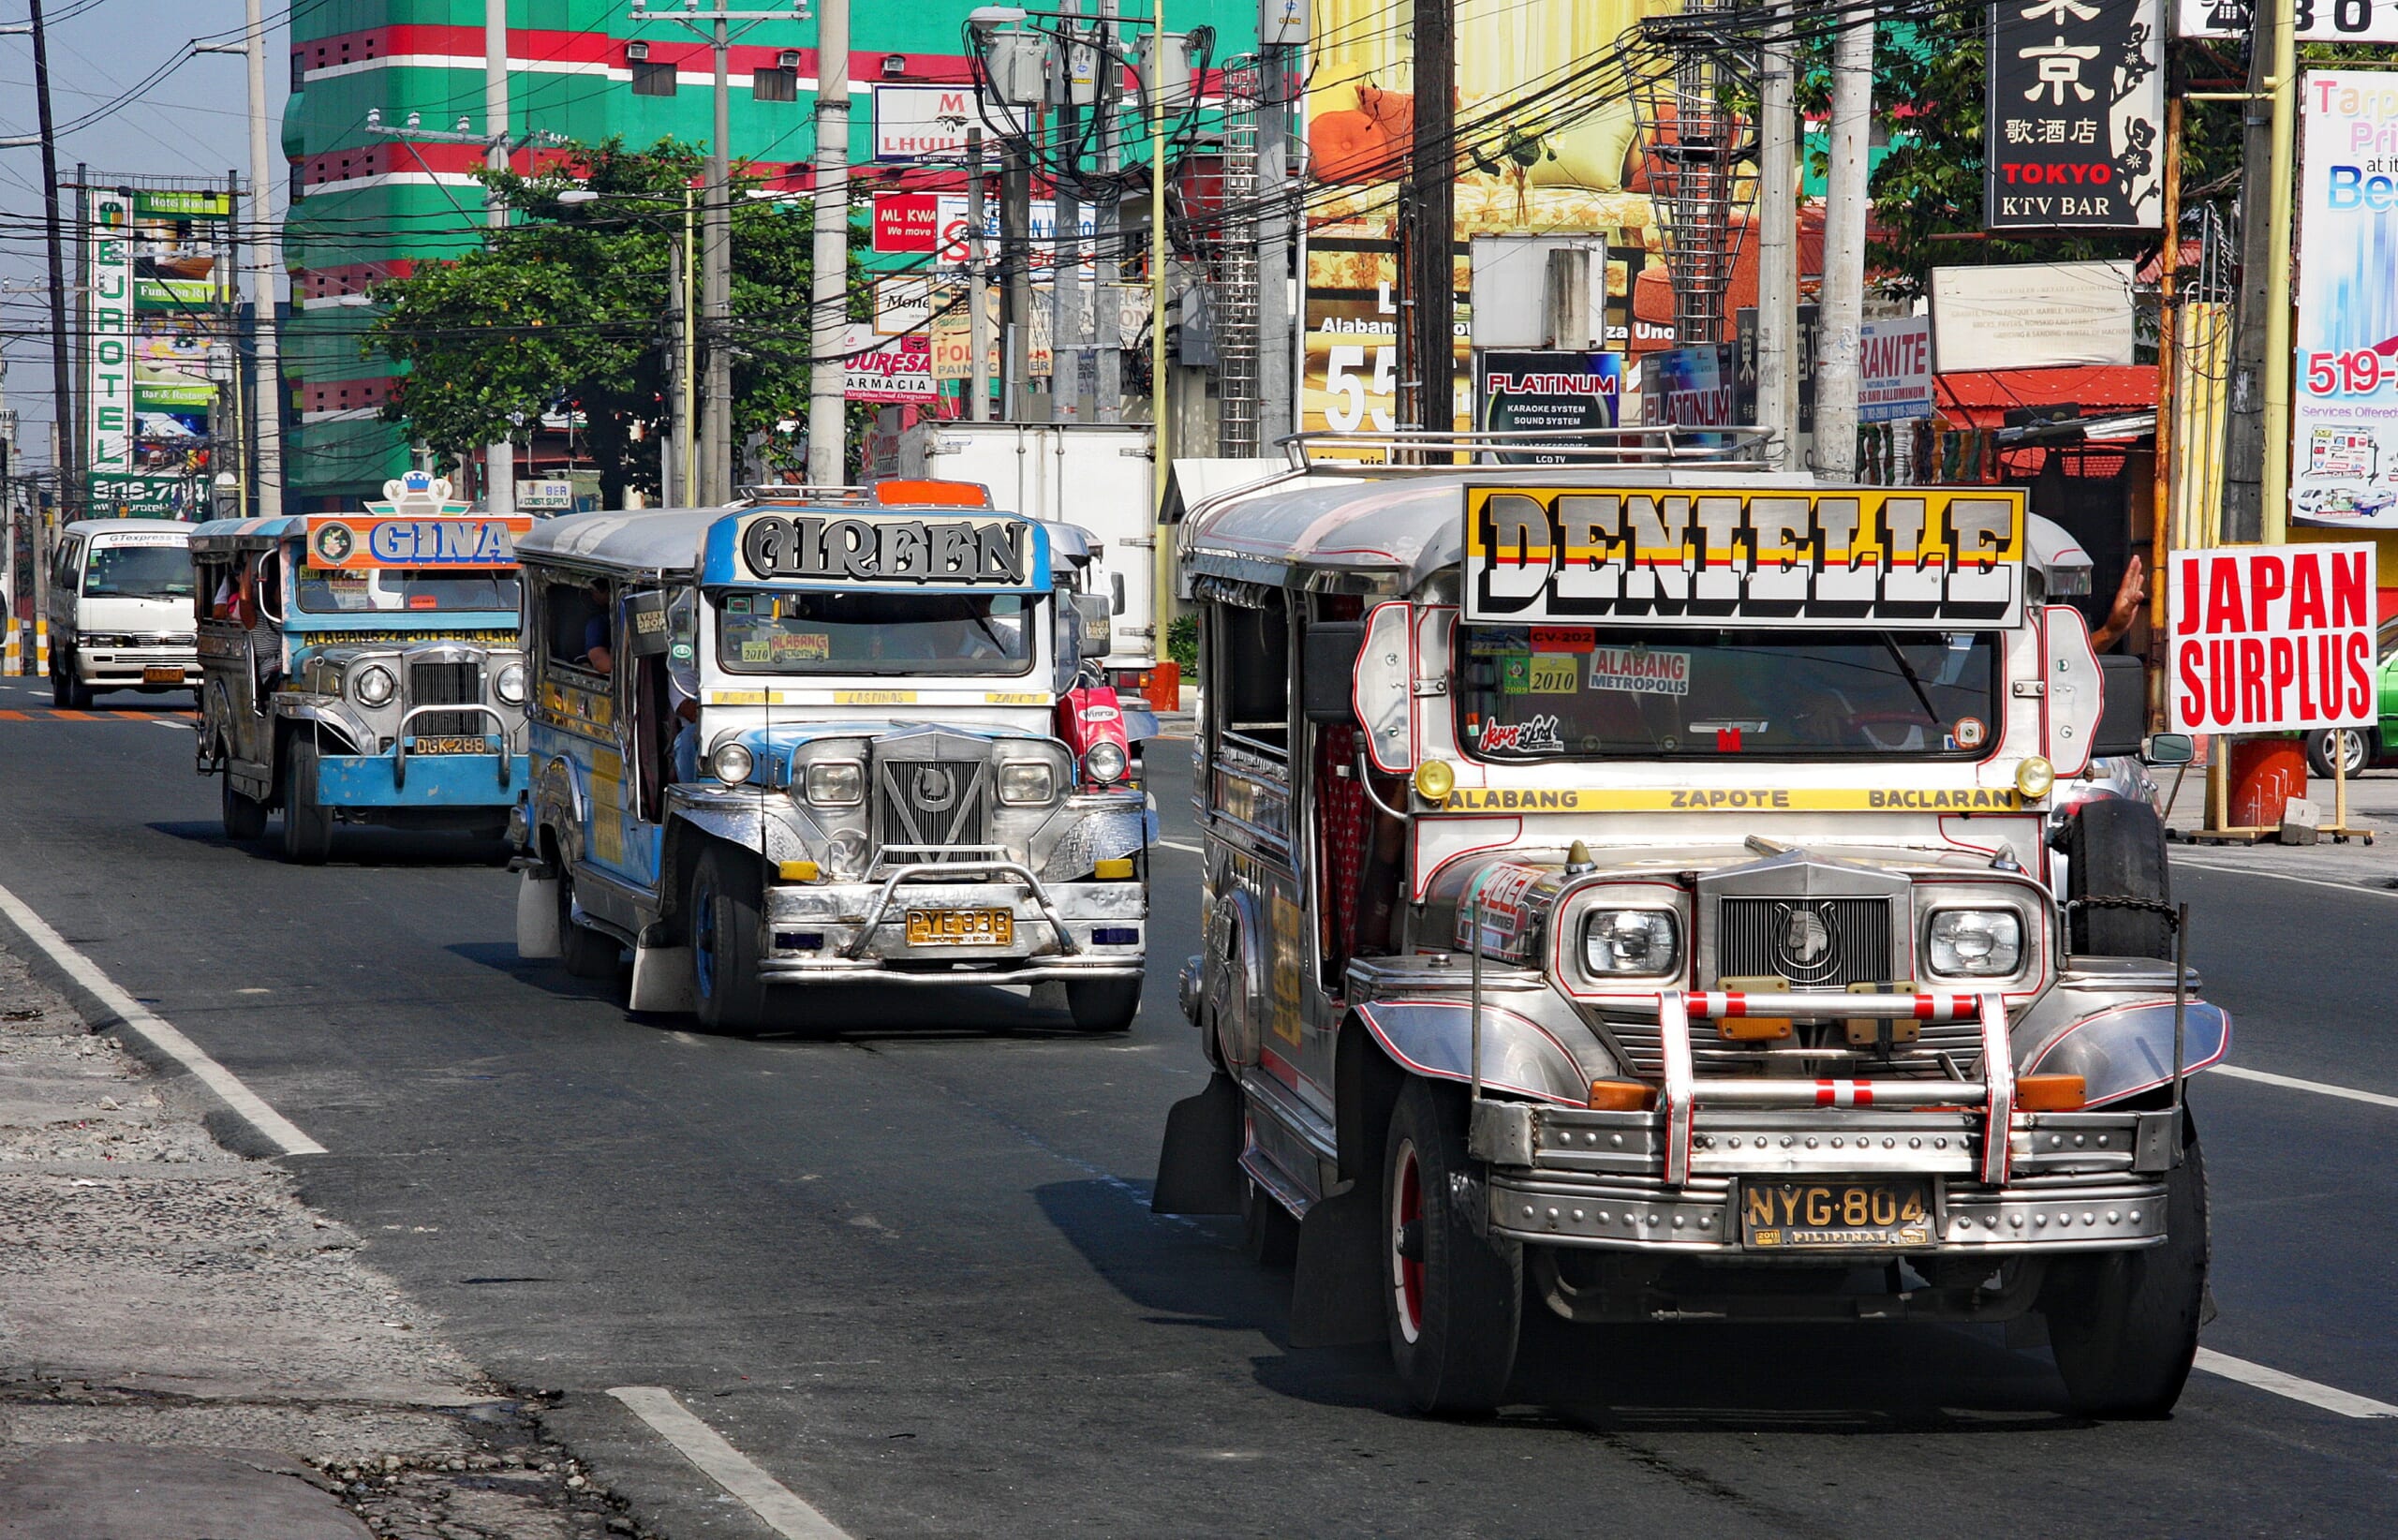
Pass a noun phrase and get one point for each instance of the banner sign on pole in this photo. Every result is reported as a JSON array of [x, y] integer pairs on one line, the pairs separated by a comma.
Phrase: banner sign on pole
[[1894, 370], [108, 350], [2074, 136], [878, 368], [2344, 416], [2319, 20], [2271, 639], [1553, 391]]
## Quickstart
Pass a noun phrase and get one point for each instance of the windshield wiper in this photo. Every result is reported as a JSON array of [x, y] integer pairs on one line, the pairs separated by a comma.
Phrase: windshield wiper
[[1914, 683]]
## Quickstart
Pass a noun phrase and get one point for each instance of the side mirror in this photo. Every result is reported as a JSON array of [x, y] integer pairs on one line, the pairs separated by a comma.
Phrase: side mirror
[[1328, 669], [2123, 714], [645, 628], [1116, 583], [1094, 618], [1386, 676], [2167, 749]]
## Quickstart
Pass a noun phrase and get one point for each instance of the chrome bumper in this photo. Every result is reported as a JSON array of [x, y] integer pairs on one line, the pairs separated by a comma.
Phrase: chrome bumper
[[858, 930]]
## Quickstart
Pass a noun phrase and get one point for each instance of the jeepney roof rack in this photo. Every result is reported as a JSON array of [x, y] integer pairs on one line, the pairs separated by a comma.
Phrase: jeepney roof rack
[[1434, 449], [779, 492]]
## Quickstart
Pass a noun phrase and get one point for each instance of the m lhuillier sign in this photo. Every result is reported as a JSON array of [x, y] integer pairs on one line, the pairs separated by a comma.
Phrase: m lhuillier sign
[[2077, 103]]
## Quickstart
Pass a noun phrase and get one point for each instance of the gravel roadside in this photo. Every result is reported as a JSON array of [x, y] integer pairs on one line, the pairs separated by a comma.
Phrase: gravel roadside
[[177, 1329]]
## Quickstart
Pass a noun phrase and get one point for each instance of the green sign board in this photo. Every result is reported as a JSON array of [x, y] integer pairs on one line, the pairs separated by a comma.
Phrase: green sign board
[[182, 204], [156, 496]]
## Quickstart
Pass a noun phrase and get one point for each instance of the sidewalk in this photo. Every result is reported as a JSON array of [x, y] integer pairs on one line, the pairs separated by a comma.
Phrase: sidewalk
[[2373, 805], [186, 1352]]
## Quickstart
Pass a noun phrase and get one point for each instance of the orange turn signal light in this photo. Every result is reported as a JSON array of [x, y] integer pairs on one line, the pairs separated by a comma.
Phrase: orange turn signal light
[[1754, 1029], [2050, 1093], [1623, 1096]]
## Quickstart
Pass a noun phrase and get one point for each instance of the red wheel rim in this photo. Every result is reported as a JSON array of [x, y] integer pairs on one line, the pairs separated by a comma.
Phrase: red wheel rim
[[1407, 1277]]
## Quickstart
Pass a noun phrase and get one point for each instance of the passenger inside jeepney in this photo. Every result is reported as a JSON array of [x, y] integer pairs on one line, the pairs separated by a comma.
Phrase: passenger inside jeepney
[[386, 590], [1545, 693], [599, 650]]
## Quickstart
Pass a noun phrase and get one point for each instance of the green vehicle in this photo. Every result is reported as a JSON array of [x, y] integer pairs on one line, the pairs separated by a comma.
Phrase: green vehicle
[[2364, 747]]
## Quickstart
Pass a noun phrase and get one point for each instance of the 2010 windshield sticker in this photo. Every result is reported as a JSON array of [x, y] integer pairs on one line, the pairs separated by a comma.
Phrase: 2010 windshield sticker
[[877, 550], [1722, 556], [1533, 736], [1641, 671]]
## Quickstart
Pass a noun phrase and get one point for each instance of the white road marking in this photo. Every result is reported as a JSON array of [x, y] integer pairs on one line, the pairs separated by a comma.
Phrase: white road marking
[[2262, 1378], [782, 1509], [2317, 1086], [1176, 844], [2286, 877], [159, 1033]]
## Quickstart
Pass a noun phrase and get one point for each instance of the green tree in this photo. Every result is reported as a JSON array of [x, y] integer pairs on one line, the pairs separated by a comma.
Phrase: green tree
[[571, 307]]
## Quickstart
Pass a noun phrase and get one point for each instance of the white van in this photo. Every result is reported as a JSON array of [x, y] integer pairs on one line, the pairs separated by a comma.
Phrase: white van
[[121, 612]]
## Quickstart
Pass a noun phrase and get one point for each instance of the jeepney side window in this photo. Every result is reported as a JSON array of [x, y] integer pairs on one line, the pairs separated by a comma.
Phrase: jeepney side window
[[213, 591], [567, 610], [1252, 659]]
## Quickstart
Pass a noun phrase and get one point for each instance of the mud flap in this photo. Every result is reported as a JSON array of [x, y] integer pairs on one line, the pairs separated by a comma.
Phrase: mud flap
[[1199, 1168], [663, 981], [1336, 1290], [536, 917]]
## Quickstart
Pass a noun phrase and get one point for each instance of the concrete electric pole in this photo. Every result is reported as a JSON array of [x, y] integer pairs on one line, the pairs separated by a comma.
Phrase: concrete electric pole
[[829, 284], [499, 459], [1778, 246], [266, 425], [1845, 210]]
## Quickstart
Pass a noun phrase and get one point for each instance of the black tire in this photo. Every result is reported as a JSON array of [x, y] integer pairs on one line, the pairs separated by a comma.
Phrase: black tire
[[2353, 741], [61, 694], [307, 823], [1269, 1234], [1453, 1299], [726, 918], [2125, 1325], [1104, 1005], [2115, 848], [584, 953], [244, 815]]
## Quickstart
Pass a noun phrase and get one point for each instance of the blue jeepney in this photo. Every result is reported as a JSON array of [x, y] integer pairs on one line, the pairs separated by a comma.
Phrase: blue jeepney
[[362, 668], [828, 740]]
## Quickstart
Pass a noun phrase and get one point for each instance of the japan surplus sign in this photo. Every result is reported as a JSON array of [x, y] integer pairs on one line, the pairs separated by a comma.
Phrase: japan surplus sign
[[2343, 418], [2077, 101], [2270, 639]]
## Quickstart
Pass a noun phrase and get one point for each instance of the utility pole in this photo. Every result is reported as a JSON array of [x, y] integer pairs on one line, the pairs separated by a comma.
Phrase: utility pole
[[829, 286], [2248, 447], [1429, 283], [66, 459], [715, 454], [1843, 293], [1066, 259], [1106, 309], [1016, 254], [499, 458], [266, 410], [1778, 246], [978, 283], [2274, 483]]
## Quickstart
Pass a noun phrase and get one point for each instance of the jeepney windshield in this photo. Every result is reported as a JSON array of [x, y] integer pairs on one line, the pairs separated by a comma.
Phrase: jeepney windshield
[[138, 572], [1551, 692], [401, 590], [839, 633]]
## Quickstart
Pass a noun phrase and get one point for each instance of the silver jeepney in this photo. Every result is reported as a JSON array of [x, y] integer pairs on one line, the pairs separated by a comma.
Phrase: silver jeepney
[[1658, 879]]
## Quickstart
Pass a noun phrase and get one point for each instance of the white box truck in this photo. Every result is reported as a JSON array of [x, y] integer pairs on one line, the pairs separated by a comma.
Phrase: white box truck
[[1096, 475]]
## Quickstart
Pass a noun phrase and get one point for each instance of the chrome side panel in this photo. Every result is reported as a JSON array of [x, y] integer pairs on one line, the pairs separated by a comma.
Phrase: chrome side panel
[[2127, 1049], [1520, 1056]]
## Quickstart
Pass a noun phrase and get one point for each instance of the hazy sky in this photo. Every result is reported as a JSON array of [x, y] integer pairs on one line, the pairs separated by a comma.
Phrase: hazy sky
[[193, 123]]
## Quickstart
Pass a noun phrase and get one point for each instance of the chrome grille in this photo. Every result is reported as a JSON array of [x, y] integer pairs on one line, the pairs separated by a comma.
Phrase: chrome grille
[[447, 684], [934, 803], [1815, 943]]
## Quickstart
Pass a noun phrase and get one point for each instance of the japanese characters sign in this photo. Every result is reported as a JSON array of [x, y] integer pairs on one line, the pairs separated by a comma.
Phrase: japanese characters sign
[[2343, 418], [2077, 103], [1714, 556], [2272, 639]]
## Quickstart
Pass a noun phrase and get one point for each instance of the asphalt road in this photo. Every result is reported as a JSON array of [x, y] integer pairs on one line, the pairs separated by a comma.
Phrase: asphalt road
[[901, 1255]]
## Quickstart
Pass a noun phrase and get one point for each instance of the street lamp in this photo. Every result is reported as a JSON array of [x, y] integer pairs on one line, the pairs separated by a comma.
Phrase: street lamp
[[687, 371]]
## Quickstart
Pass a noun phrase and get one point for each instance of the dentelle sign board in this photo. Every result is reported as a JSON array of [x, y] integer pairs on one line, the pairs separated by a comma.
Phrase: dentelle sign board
[[2272, 639]]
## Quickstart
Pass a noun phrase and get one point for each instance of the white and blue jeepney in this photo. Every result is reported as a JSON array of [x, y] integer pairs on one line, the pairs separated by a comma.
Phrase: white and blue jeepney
[[361, 668], [826, 741]]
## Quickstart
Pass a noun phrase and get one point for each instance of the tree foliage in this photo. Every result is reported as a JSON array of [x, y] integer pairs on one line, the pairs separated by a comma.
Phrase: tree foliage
[[1930, 105], [572, 307]]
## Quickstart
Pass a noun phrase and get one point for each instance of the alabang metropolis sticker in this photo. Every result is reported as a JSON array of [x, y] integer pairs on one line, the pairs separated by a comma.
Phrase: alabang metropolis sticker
[[1722, 556]]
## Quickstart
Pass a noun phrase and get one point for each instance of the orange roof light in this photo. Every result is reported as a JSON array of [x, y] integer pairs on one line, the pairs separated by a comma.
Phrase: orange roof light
[[932, 494]]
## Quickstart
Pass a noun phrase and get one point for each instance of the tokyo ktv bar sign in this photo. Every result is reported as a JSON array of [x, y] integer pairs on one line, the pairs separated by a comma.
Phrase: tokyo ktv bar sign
[[1734, 556], [2075, 121]]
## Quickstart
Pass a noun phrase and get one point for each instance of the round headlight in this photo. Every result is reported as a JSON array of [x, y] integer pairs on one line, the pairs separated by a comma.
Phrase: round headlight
[[1435, 780], [2034, 777], [373, 685], [1105, 762], [510, 686], [731, 763]]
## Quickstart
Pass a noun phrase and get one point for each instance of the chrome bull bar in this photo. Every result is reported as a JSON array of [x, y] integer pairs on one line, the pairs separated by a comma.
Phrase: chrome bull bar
[[400, 739], [939, 870], [1683, 1091]]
